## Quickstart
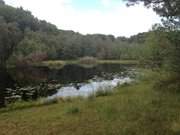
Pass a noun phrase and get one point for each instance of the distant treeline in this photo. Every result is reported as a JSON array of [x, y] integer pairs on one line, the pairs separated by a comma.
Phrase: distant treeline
[[26, 39]]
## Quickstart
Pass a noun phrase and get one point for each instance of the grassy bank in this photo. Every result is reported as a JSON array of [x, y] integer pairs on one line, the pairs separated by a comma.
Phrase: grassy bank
[[136, 109], [130, 62]]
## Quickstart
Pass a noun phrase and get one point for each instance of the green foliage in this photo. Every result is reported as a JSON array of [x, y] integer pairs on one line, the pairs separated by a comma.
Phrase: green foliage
[[164, 53], [29, 51], [9, 37], [168, 82], [13, 25], [33, 41], [156, 50], [173, 60], [164, 41], [43, 41], [166, 8]]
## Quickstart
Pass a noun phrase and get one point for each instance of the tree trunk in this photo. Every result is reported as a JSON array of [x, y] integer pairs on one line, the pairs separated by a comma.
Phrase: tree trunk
[[6, 81], [2, 64]]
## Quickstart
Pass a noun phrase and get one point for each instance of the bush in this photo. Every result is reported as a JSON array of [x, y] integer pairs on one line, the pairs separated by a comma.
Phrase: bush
[[169, 82], [87, 60]]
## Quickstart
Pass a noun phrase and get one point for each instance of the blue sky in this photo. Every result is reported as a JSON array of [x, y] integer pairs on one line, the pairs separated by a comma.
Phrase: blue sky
[[92, 16], [95, 4], [90, 4]]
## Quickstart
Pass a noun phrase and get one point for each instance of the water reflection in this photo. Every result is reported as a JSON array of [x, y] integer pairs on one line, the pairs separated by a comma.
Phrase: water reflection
[[87, 89], [33, 82], [68, 74], [5, 82]]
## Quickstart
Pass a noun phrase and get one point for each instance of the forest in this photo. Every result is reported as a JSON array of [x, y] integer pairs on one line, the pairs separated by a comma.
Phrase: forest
[[26, 39]]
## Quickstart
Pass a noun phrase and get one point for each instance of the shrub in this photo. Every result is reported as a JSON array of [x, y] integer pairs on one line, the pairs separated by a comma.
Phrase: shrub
[[169, 82], [87, 60]]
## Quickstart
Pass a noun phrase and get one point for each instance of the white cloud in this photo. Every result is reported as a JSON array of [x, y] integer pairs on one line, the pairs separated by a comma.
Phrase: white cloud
[[106, 3], [120, 21]]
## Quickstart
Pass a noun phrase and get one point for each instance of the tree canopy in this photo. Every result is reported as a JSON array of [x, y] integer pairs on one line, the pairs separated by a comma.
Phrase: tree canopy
[[165, 8], [26, 39]]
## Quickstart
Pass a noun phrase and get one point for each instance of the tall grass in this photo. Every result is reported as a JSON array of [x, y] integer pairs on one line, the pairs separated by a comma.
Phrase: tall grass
[[101, 92], [20, 105], [72, 110]]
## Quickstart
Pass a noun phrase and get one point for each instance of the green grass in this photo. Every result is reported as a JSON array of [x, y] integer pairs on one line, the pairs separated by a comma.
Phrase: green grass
[[72, 110], [135, 109], [21, 105], [103, 92]]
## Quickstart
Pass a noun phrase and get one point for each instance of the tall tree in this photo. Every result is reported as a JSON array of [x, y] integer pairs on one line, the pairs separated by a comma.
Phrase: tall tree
[[9, 37], [2, 2], [166, 8], [169, 9]]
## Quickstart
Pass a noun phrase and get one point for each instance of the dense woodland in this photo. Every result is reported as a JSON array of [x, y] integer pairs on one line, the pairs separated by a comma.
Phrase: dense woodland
[[25, 39]]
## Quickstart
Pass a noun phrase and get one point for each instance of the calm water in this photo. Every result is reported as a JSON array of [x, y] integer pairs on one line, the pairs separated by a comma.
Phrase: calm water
[[71, 80]]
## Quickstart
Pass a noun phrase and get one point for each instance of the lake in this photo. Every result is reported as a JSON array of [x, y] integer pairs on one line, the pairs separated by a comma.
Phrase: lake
[[30, 83]]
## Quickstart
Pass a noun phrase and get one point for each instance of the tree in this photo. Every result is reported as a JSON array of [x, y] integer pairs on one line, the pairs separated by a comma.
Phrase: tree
[[10, 35], [168, 47], [2, 2], [165, 8]]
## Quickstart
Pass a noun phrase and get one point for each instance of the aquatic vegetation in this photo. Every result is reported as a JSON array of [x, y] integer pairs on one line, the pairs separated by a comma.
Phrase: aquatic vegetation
[[53, 64], [87, 61]]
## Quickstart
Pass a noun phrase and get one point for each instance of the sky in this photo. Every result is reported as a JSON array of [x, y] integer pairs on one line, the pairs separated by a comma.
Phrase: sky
[[92, 16]]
